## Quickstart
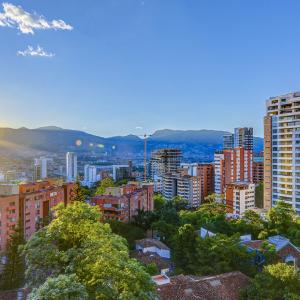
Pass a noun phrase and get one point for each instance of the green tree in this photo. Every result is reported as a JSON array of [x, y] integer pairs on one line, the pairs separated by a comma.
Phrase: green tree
[[210, 198], [62, 287], [75, 242], [104, 184], [281, 217], [151, 269], [128, 231], [179, 203], [159, 201], [12, 276], [275, 282], [259, 195], [79, 193], [185, 243]]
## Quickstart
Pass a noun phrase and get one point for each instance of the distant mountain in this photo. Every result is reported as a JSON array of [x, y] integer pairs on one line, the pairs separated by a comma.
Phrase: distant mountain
[[195, 144]]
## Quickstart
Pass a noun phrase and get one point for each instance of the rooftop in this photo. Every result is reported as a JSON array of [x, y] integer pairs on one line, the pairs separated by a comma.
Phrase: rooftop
[[152, 243], [224, 287]]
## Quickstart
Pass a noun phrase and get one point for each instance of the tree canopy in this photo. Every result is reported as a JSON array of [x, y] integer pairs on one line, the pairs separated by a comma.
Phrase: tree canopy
[[276, 282], [76, 244]]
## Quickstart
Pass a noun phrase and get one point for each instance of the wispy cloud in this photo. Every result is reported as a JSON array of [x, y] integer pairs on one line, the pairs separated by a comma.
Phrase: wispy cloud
[[16, 17], [38, 51], [138, 127]]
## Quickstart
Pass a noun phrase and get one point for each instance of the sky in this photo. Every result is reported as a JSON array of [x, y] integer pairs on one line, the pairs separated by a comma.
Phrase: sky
[[115, 67]]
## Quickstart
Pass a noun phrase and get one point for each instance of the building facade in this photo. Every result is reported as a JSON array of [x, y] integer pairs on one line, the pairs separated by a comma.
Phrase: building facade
[[71, 166], [282, 150], [164, 161], [240, 196], [28, 204], [124, 204], [40, 171]]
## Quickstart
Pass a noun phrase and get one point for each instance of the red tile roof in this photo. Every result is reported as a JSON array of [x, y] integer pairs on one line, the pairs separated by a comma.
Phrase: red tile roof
[[220, 287], [147, 258]]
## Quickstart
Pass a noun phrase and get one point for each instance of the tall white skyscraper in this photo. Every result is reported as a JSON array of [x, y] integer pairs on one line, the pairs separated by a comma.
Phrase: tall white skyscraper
[[40, 168], [90, 175], [71, 166], [282, 151]]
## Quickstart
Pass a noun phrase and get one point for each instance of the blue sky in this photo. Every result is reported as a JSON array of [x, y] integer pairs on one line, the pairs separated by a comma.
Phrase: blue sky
[[180, 64]]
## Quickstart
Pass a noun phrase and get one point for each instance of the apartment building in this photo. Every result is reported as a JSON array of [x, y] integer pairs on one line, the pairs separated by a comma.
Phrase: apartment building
[[282, 150], [27, 204], [163, 161], [9, 216], [206, 173], [71, 166], [123, 203], [40, 170], [239, 197], [183, 185], [36, 201], [258, 170]]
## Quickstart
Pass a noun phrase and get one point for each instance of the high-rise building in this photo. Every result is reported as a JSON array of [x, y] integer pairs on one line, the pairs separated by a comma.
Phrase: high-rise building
[[40, 168], [71, 166], [243, 137], [228, 141], [90, 175], [164, 161], [282, 150], [206, 173], [232, 166], [121, 172], [235, 162], [258, 169], [240, 196], [183, 185]]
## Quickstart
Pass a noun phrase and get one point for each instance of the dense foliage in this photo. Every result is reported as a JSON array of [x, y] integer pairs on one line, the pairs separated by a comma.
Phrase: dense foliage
[[276, 282], [77, 246], [103, 184], [12, 276]]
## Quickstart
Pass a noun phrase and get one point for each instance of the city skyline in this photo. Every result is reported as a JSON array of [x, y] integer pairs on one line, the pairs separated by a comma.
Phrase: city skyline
[[107, 67]]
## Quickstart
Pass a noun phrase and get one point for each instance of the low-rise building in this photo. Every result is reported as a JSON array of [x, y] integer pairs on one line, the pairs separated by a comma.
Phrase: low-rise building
[[286, 251], [186, 287], [123, 203], [153, 246]]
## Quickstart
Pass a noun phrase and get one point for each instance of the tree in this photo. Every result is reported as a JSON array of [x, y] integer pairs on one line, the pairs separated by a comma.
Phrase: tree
[[276, 282], [104, 184], [259, 196], [14, 269], [79, 193], [281, 217], [179, 203], [185, 243], [62, 287], [128, 231], [209, 198], [159, 201], [75, 242]]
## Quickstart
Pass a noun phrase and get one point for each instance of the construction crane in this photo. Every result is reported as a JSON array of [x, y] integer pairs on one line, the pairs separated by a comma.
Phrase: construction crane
[[145, 136]]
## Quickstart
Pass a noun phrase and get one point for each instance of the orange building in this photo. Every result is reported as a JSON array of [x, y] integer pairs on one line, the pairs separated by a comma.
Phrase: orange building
[[9, 216], [207, 178], [232, 165]]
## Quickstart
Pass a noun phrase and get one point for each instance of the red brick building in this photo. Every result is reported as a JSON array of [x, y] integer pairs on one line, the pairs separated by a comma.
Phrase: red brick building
[[9, 216], [122, 207], [28, 204]]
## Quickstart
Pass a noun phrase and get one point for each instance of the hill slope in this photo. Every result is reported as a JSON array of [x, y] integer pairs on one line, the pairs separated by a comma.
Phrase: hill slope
[[196, 144]]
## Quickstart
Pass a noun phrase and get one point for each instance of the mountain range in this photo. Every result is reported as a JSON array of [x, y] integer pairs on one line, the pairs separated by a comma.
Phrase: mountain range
[[195, 144]]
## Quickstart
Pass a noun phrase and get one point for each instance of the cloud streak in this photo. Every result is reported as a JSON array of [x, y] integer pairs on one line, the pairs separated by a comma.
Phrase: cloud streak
[[38, 51], [16, 17]]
